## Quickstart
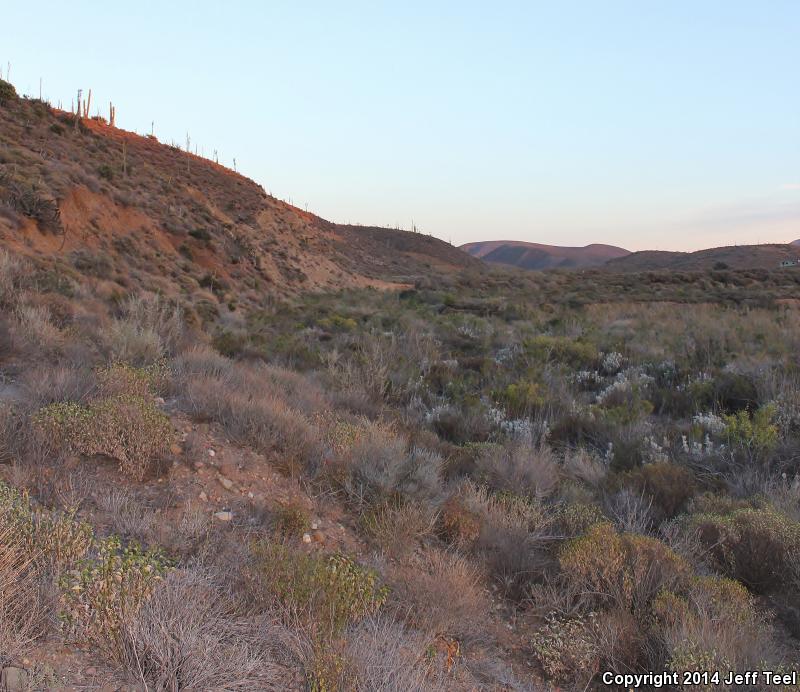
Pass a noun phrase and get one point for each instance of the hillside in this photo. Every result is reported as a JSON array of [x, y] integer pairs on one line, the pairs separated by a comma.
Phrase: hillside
[[538, 256], [730, 257], [130, 211]]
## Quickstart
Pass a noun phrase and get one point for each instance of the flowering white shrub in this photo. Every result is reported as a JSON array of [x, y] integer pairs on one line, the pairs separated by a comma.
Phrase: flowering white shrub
[[709, 422]]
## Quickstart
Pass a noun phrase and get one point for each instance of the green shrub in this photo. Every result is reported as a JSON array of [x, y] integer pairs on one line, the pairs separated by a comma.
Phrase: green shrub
[[756, 434], [7, 92], [58, 540], [127, 428], [107, 590], [713, 625], [567, 648], [624, 571], [752, 545], [521, 399], [562, 349], [332, 591]]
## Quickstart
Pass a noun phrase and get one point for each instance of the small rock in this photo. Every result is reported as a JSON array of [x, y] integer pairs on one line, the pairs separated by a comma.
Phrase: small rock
[[224, 515], [226, 483], [250, 495], [175, 449], [318, 537], [90, 671], [314, 525], [203, 497], [14, 679], [160, 401], [199, 464], [306, 538], [212, 453]]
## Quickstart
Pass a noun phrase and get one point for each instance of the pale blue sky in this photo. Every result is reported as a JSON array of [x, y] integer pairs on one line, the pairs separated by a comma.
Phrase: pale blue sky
[[670, 124]]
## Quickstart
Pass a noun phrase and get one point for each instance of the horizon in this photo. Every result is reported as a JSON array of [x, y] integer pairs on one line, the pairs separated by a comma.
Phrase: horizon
[[674, 128]]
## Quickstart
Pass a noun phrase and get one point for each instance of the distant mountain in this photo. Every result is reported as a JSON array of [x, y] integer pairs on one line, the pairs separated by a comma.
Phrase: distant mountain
[[731, 257], [517, 253], [795, 242]]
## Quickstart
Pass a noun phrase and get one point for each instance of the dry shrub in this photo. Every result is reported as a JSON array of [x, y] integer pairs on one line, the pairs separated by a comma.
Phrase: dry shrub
[[445, 594], [459, 523], [399, 526], [381, 655], [519, 468], [379, 467], [201, 360], [128, 518], [189, 635], [50, 384], [21, 609], [11, 270], [584, 466], [36, 331], [624, 571], [261, 420]]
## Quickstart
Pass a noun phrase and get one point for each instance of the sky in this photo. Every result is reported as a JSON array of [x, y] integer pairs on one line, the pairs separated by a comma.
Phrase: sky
[[649, 124]]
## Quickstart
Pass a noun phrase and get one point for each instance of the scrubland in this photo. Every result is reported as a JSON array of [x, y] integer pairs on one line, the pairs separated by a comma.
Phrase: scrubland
[[488, 490]]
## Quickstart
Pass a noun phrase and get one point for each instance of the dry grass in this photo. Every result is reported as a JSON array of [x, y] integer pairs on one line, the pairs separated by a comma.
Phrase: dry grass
[[190, 635]]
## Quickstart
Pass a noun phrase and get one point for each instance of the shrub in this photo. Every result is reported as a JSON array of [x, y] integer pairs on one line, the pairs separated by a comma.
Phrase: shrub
[[7, 92], [188, 635], [381, 654], [715, 626], [751, 545], [11, 269], [578, 355], [667, 485], [262, 419], [567, 648], [21, 616], [124, 379], [54, 540], [378, 467], [756, 434], [521, 399], [735, 392], [129, 429], [444, 592], [398, 526], [291, 520], [624, 571], [328, 591], [107, 590], [519, 468]]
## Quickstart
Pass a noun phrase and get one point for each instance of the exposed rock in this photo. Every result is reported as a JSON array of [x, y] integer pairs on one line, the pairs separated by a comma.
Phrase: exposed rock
[[224, 515], [203, 497], [226, 483], [212, 453], [306, 538]]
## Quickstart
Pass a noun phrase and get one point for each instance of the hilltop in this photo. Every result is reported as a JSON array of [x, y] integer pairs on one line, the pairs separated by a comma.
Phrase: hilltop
[[133, 212], [516, 253], [730, 257]]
